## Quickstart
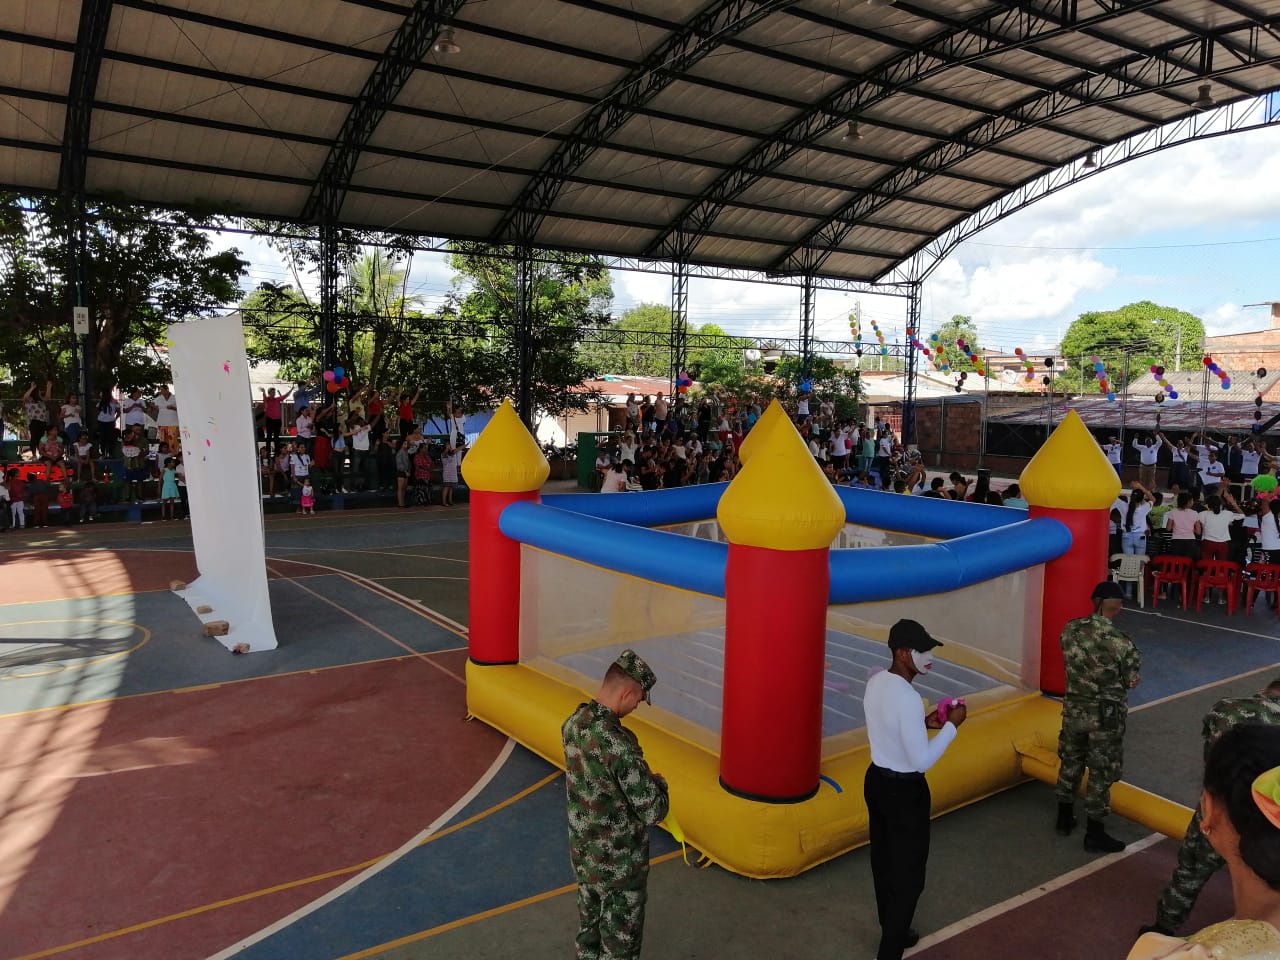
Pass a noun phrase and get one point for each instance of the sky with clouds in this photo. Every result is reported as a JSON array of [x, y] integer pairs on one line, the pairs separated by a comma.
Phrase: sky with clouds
[[1195, 227]]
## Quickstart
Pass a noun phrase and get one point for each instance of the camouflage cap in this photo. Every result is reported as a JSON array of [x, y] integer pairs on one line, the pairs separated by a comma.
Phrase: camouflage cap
[[637, 670]]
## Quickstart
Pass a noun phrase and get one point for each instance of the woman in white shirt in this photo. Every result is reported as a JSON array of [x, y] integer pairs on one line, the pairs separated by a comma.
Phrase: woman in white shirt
[[1269, 529], [72, 423], [1215, 526], [615, 481], [1133, 536]]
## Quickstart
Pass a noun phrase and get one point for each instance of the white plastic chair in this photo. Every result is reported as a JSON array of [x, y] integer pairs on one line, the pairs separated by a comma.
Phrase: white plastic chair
[[1132, 569]]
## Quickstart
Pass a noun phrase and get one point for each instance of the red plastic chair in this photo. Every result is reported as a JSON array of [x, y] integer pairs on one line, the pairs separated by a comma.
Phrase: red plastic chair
[[1260, 578], [1218, 575], [1170, 571]]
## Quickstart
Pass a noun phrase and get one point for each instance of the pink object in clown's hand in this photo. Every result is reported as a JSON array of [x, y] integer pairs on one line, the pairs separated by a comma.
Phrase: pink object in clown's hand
[[945, 705]]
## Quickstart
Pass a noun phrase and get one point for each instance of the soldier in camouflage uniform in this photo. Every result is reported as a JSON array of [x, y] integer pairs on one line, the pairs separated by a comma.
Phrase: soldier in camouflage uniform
[[1197, 860], [613, 799], [1102, 666]]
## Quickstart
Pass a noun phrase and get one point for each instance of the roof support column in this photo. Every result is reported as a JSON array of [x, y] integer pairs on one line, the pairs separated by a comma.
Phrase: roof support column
[[524, 338], [679, 323], [806, 326], [328, 293], [78, 284], [909, 372]]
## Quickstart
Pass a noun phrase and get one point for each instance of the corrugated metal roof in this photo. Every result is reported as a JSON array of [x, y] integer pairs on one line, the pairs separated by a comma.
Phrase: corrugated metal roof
[[722, 122]]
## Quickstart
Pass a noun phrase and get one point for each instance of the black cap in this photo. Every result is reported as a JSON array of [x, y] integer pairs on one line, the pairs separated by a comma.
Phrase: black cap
[[1107, 590], [909, 635]]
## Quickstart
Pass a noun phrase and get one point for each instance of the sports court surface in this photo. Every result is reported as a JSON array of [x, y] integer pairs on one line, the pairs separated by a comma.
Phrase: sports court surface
[[160, 798]]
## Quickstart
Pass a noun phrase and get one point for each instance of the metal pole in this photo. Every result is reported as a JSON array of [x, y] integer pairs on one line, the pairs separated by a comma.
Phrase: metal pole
[[909, 373], [1124, 405], [986, 402], [679, 323], [806, 326], [524, 336], [1204, 400]]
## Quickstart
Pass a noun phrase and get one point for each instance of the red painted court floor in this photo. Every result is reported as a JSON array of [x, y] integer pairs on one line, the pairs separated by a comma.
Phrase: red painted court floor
[[127, 812]]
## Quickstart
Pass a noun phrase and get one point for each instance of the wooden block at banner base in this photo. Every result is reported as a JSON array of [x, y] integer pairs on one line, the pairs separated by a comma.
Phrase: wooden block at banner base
[[176, 585], [204, 608], [217, 628]]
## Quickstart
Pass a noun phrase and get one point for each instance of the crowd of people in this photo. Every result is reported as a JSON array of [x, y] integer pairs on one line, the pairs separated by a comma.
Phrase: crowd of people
[[80, 461]]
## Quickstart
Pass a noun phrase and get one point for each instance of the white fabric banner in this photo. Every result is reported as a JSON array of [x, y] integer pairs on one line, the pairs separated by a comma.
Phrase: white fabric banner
[[211, 382]]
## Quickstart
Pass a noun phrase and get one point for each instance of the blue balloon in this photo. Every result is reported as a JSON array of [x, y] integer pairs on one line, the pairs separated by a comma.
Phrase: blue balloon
[[1111, 396], [339, 373], [1173, 394]]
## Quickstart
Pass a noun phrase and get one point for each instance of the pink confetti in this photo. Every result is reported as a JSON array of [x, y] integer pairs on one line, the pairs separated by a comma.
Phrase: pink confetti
[[208, 442], [226, 367]]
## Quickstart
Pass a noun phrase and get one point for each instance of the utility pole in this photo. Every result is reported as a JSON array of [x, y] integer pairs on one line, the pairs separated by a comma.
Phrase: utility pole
[[1177, 352]]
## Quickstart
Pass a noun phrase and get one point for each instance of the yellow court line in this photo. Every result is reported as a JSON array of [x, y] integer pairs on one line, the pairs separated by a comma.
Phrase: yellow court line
[[221, 683], [476, 917], [278, 888], [80, 665]]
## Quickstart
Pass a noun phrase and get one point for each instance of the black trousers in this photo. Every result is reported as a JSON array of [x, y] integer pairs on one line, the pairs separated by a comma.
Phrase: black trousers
[[898, 807]]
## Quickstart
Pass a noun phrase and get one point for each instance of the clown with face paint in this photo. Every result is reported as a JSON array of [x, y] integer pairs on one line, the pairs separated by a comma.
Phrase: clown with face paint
[[895, 789]]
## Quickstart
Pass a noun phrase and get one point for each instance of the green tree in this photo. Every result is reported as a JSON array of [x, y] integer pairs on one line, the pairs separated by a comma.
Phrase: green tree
[[959, 327], [145, 269], [636, 344], [569, 294], [1146, 333], [719, 359]]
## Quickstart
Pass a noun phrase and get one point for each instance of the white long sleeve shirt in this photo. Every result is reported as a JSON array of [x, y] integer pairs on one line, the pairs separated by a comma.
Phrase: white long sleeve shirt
[[895, 726]]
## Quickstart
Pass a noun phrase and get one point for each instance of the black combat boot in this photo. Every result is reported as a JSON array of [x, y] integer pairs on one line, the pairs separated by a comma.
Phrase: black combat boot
[[1097, 840], [1066, 819]]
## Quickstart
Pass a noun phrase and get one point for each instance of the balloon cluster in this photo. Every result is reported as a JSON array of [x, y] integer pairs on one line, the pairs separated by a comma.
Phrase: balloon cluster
[[1261, 374], [1027, 362], [1223, 376], [806, 385], [973, 357], [336, 379], [683, 383], [855, 331], [960, 379], [940, 361], [1157, 371], [1100, 371], [875, 327]]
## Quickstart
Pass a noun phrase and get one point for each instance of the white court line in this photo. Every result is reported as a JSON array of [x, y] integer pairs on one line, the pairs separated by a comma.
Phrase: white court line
[[1203, 626], [1057, 883], [388, 860]]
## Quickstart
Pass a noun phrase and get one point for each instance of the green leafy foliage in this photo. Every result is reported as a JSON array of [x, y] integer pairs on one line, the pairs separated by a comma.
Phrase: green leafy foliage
[[959, 327], [145, 269], [1146, 332]]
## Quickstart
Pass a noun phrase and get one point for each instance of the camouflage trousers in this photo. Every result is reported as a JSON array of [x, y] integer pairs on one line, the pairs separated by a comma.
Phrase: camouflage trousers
[[1197, 861], [1092, 737], [610, 921]]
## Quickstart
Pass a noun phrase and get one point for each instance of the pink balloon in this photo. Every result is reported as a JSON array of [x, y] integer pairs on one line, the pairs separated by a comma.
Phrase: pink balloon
[[328, 376]]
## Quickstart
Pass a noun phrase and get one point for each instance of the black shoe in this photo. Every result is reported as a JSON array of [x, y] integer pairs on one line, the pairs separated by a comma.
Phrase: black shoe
[[1066, 820], [1097, 840], [912, 938], [1156, 928]]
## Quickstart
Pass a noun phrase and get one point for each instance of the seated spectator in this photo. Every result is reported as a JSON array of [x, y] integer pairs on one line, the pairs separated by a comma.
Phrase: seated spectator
[[51, 450], [936, 489], [84, 463], [1013, 497]]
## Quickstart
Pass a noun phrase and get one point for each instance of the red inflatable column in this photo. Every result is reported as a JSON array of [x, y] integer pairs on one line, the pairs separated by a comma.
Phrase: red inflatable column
[[504, 466], [1070, 480], [780, 516]]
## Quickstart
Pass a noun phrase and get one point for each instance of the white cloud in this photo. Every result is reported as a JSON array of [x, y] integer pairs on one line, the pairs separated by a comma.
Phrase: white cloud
[[1234, 318]]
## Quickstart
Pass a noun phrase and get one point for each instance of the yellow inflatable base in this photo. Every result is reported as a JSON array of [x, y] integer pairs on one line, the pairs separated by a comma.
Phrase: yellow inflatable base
[[765, 840]]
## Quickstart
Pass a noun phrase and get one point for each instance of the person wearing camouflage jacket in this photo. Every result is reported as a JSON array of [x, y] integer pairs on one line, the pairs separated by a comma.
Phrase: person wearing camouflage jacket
[[1197, 860], [1102, 666], [613, 799]]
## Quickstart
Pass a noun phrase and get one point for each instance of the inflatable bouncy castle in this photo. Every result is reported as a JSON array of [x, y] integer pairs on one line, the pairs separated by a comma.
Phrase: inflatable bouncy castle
[[763, 605]]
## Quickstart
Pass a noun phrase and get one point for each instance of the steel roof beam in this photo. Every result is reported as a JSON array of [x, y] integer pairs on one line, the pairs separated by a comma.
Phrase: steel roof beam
[[410, 45], [1234, 118], [676, 55], [1115, 81], [956, 46], [91, 41]]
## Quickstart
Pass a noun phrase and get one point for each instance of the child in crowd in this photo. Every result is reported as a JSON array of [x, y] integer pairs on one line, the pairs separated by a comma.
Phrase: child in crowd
[[17, 499], [423, 465], [135, 463], [66, 501], [82, 453], [88, 502], [39, 492], [307, 502], [168, 489], [452, 459], [5, 511]]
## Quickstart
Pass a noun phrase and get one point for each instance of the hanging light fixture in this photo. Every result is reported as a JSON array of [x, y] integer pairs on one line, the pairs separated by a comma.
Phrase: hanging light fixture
[[852, 132], [1203, 100], [880, 3], [445, 43], [1091, 161]]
